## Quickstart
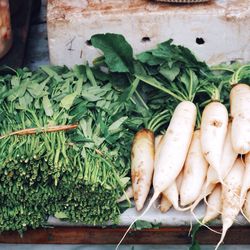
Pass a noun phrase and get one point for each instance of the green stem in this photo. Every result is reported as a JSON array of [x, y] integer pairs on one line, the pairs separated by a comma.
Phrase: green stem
[[157, 119], [158, 86], [141, 100], [190, 87], [222, 69], [198, 120], [235, 78], [159, 125]]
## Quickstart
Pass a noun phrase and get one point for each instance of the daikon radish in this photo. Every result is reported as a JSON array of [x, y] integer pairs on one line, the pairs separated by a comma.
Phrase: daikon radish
[[179, 181], [157, 141], [246, 179], [173, 152], [142, 165], [127, 195], [195, 170], [165, 204], [173, 195], [205, 191], [228, 159], [214, 123], [246, 207], [229, 156], [170, 196], [231, 197], [213, 209], [240, 112], [174, 147]]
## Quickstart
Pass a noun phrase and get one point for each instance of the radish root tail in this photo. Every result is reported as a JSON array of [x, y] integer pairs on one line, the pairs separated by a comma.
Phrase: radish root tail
[[209, 205], [200, 222], [153, 199]]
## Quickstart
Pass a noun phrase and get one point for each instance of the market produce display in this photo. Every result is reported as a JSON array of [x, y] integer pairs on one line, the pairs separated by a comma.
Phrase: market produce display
[[72, 138]]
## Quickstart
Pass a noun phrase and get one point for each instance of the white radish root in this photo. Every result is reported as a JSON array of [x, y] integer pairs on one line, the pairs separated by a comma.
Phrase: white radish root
[[240, 112], [214, 205], [205, 191], [195, 170], [157, 142], [179, 180], [228, 159], [246, 179], [173, 152], [171, 195], [174, 146], [165, 204], [214, 123], [142, 165], [229, 156], [231, 197]]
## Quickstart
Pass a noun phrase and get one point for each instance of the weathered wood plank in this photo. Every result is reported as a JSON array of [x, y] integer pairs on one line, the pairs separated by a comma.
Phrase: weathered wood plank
[[93, 235]]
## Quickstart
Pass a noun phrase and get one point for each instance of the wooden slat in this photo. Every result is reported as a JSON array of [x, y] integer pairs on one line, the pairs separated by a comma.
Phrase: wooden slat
[[88, 235]]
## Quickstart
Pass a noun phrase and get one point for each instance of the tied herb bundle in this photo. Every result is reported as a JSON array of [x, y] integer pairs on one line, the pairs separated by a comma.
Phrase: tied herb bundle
[[78, 171], [77, 175]]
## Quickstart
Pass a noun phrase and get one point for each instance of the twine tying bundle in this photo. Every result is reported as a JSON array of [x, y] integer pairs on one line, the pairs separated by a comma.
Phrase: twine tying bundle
[[49, 129]]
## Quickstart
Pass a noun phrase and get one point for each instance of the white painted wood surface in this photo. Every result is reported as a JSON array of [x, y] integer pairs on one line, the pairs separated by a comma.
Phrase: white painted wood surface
[[216, 32]]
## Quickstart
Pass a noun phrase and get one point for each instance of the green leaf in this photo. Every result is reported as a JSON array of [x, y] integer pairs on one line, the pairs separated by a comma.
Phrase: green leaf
[[127, 94], [125, 180], [117, 52], [195, 245], [94, 93], [142, 224], [169, 73], [147, 57], [80, 72], [61, 215], [67, 101], [90, 76], [117, 124], [86, 126], [47, 106]]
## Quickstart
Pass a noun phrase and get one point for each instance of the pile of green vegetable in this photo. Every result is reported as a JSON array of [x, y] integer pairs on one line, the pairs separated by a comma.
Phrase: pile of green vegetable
[[79, 171]]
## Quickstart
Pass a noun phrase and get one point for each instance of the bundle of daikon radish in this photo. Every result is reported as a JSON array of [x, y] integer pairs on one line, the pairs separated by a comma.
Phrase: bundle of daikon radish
[[186, 165]]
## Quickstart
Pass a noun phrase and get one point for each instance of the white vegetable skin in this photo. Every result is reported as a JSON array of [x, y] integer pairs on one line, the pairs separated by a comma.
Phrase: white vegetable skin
[[231, 197], [157, 142], [214, 205], [195, 170], [246, 179], [214, 125], [174, 146], [240, 112], [228, 159], [142, 165], [207, 188], [179, 181], [172, 194], [165, 204]]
